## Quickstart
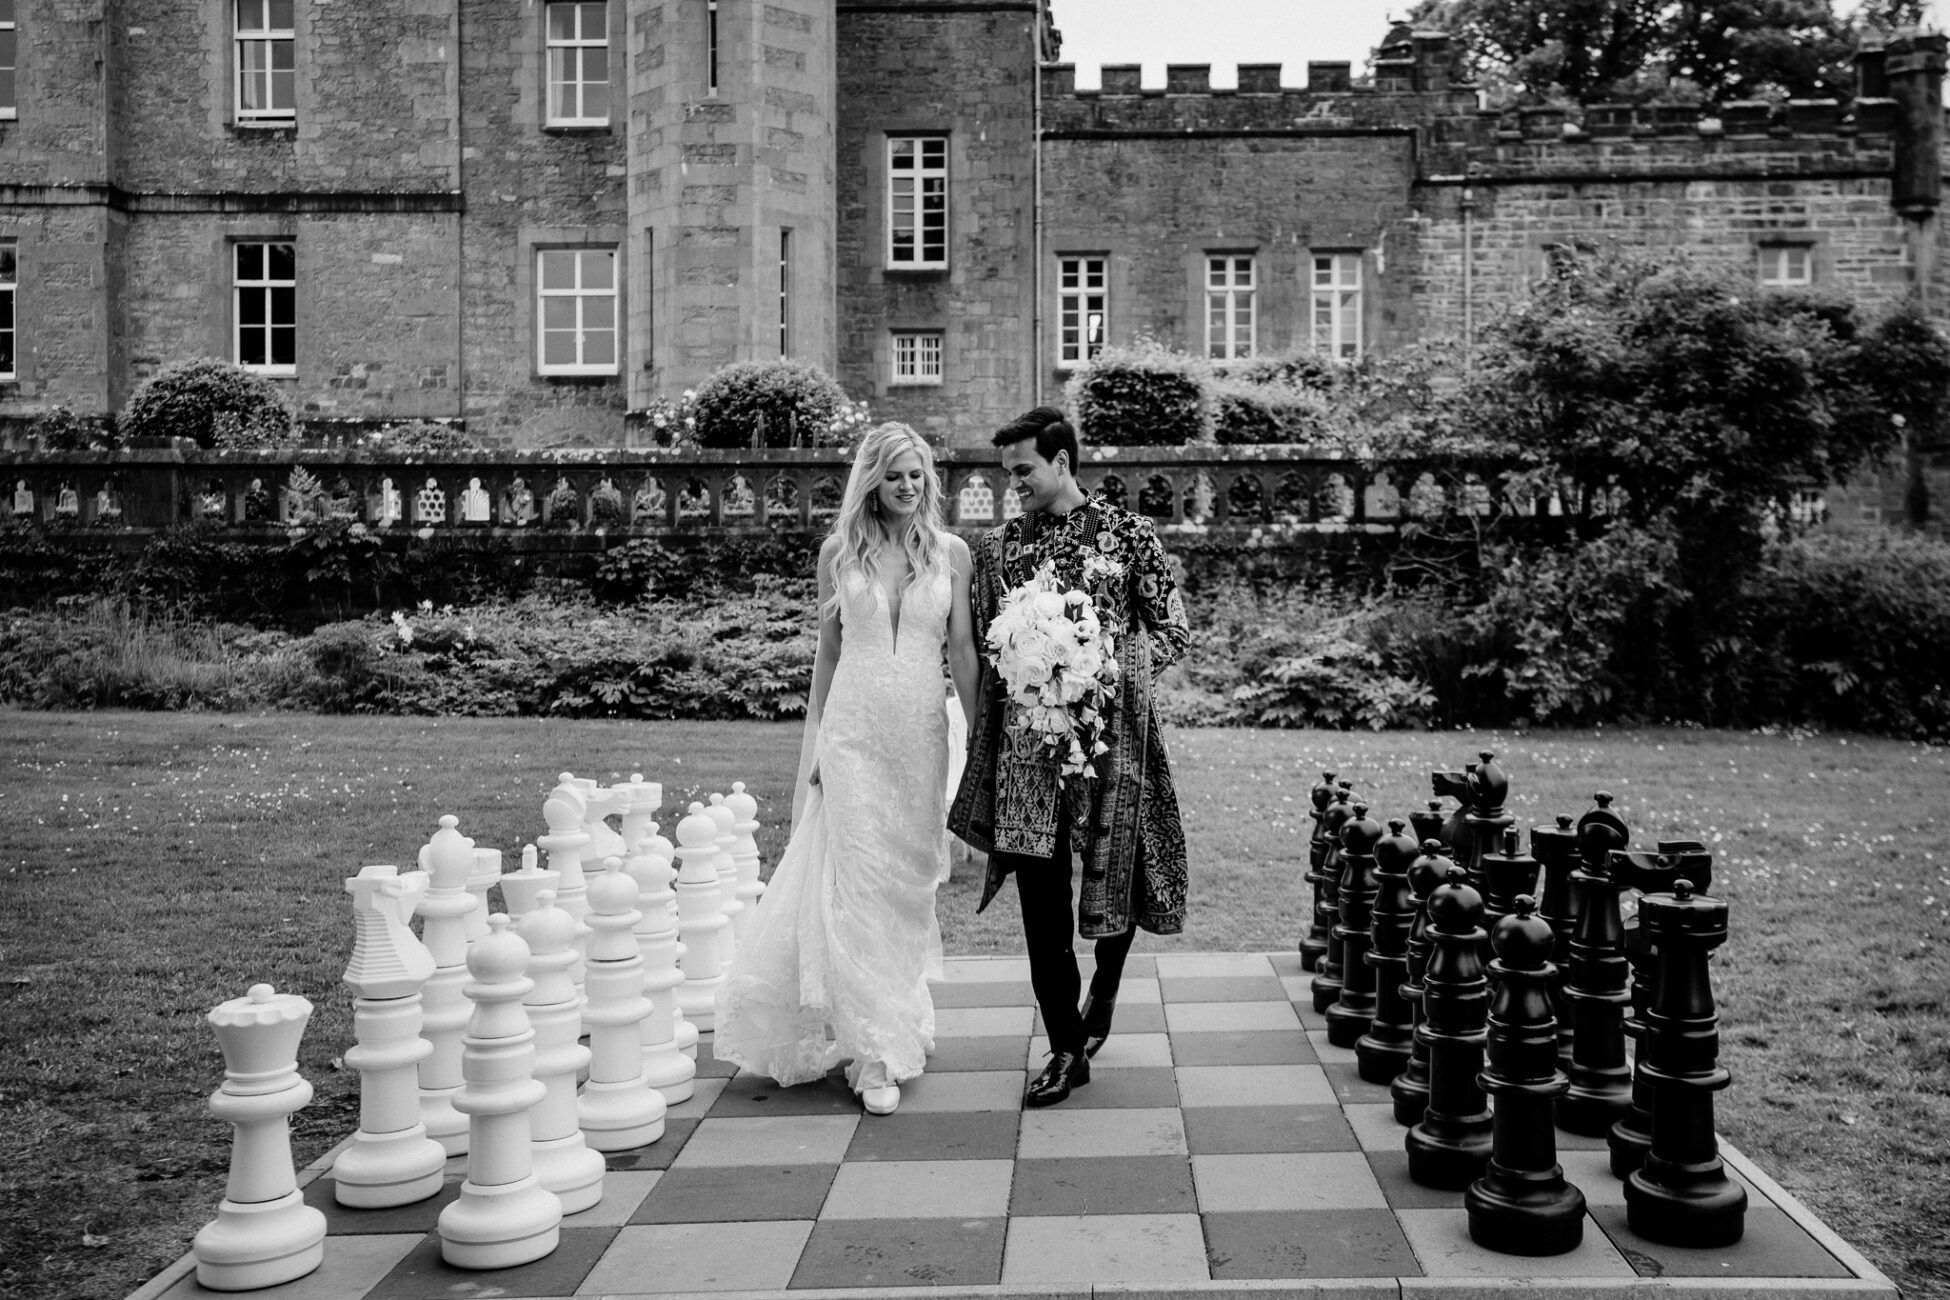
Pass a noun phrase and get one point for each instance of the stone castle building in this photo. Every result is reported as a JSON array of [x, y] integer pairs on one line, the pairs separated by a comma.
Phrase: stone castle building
[[535, 216]]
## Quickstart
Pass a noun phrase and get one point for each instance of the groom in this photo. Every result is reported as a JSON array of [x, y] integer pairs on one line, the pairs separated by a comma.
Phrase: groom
[[1120, 827]]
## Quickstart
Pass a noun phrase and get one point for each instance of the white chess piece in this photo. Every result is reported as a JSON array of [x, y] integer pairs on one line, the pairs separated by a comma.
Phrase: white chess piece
[[567, 846], [744, 848], [645, 797], [598, 804], [735, 910], [563, 1161], [665, 852], [665, 1066], [390, 1160], [523, 889], [487, 873], [444, 909], [619, 1109], [701, 922], [264, 1233], [503, 1216]]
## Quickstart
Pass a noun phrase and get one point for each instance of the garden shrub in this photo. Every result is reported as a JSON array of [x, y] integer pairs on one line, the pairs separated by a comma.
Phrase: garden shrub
[[644, 568], [1144, 394], [777, 401], [59, 429], [422, 437], [1246, 412], [213, 404]]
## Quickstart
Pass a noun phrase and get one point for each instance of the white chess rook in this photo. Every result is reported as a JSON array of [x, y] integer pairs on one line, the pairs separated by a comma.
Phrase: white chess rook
[[390, 1160], [735, 910], [665, 1066], [444, 909], [619, 1109], [701, 922], [264, 1233], [503, 1216], [563, 1161], [744, 848]]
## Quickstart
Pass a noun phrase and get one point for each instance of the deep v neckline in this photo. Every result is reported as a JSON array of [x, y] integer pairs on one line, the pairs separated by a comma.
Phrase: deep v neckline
[[895, 601]]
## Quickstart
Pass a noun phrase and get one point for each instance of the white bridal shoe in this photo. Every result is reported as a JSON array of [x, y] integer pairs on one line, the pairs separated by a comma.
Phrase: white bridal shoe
[[881, 1101]]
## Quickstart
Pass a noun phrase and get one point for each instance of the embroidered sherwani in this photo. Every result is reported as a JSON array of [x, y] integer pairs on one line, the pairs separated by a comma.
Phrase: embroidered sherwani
[[1124, 823]]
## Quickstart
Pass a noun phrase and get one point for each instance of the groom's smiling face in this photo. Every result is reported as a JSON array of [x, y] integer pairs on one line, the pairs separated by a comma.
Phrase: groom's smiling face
[[1035, 481]]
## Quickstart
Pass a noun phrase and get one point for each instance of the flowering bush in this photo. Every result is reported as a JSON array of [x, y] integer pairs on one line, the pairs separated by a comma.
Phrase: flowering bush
[[853, 420], [672, 423], [1059, 663], [419, 437]]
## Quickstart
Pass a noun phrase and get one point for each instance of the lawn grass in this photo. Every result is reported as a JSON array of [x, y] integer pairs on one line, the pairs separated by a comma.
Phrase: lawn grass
[[152, 865]]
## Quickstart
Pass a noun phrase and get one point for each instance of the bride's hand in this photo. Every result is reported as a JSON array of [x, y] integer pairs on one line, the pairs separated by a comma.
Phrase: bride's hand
[[812, 777]]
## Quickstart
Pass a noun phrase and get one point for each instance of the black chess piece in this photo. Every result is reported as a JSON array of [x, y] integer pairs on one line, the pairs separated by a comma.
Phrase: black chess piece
[[1522, 1205], [1450, 1147], [1486, 817], [1455, 827], [1410, 1089], [1681, 1195], [1426, 824], [1353, 1010], [1648, 873], [1506, 874], [1327, 979], [1601, 1084], [1556, 851], [1383, 1051], [1313, 946]]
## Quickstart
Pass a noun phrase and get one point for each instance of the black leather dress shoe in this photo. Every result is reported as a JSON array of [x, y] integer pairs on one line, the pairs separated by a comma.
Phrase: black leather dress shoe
[[1096, 1013], [1066, 1070]]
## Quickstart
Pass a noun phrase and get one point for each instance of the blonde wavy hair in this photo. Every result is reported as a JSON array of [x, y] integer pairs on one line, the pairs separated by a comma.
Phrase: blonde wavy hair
[[860, 526]]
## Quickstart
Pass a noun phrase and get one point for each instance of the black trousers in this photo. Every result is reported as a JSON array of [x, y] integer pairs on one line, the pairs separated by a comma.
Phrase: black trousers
[[1049, 927]]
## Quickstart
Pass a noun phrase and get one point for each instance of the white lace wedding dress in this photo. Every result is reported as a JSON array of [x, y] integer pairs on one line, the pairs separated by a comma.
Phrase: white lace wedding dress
[[836, 965]]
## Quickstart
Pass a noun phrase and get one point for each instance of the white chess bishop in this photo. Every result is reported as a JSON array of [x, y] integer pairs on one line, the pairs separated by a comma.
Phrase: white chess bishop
[[264, 1233]]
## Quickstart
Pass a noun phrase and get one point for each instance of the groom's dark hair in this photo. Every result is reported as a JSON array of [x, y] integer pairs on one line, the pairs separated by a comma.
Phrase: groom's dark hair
[[1048, 427]]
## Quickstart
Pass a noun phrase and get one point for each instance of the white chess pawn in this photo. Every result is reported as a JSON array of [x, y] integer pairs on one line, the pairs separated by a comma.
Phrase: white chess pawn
[[487, 873], [443, 910], [701, 922], [567, 846], [645, 797], [264, 1233], [563, 1161], [744, 849], [390, 1160], [523, 889], [735, 910], [665, 1066], [619, 1109], [503, 1216], [665, 852]]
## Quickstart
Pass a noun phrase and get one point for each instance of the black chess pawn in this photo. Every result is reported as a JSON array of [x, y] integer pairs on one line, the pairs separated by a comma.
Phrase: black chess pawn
[[1601, 1084], [1486, 816], [1426, 824], [1326, 984], [1353, 1010], [1506, 874], [1681, 1195], [1556, 851], [1383, 1051], [1410, 1090], [1647, 873], [1313, 946], [1450, 1147], [1522, 1205]]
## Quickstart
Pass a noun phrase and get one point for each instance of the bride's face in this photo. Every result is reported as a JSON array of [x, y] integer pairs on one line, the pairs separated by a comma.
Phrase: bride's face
[[901, 486]]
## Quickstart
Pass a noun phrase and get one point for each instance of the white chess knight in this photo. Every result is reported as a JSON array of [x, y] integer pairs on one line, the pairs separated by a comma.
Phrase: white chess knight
[[619, 1109], [503, 1216], [563, 1161], [701, 922], [390, 1160], [444, 909], [264, 1233], [665, 1066]]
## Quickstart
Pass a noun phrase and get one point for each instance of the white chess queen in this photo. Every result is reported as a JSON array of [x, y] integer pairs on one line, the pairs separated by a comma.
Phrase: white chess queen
[[837, 961]]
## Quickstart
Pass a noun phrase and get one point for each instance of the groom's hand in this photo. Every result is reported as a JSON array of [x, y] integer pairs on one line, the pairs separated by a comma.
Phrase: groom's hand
[[812, 777]]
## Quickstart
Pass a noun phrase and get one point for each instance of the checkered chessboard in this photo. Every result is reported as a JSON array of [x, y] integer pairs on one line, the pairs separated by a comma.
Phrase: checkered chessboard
[[1221, 1140]]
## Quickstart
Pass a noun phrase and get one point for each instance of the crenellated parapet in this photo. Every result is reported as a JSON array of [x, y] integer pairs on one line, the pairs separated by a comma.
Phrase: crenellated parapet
[[1261, 103]]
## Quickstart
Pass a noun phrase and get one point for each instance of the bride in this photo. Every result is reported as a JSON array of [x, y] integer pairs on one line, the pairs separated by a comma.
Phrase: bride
[[836, 965]]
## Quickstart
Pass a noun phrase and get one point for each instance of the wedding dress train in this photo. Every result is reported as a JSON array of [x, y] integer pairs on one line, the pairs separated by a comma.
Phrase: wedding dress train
[[836, 965]]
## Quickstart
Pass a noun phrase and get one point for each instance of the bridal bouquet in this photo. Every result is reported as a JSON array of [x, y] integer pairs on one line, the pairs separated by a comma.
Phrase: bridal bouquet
[[1058, 663]]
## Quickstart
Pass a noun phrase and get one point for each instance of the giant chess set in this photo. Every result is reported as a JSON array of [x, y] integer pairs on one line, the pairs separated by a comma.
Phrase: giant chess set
[[1503, 999]]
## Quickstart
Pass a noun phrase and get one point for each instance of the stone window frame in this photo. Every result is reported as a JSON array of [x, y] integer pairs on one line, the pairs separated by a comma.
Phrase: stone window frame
[[1230, 291], [272, 118], [10, 68], [916, 375], [713, 48], [1358, 286], [581, 42], [1807, 242], [10, 313], [1086, 353], [894, 139], [531, 242], [235, 296]]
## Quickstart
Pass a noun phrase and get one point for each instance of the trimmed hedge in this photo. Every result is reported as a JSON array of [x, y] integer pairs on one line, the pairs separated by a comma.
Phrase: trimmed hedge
[[777, 400], [211, 403], [1142, 395]]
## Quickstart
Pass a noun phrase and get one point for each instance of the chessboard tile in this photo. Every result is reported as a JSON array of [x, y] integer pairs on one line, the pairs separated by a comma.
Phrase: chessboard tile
[[920, 1189], [981, 970], [1349, 1087], [972, 1090], [1079, 1249], [1222, 1017], [1220, 964], [1591, 1172], [1104, 1185], [751, 1096], [854, 1255], [1327, 1243], [1120, 1051], [1374, 1125], [704, 1095], [983, 993], [778, 1139], [1137, 1089], [1772, 1245], [937, 1135], [659, 1154], [1057, 1133], [1234, 1130], [1443, 1245], [1241, 1047], [983, 1022], [1297, 1180], [1253, 1085], [682, 1258], [1003, 1052], [1404, 1193], [736, 1194], [423, 1275], [353, 1266], [709, 1066], [420, 1216], [1263, 987], [623, 1192]]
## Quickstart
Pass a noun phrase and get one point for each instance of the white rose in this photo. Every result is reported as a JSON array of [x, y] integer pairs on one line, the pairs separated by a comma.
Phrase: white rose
[[1048, 604]]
